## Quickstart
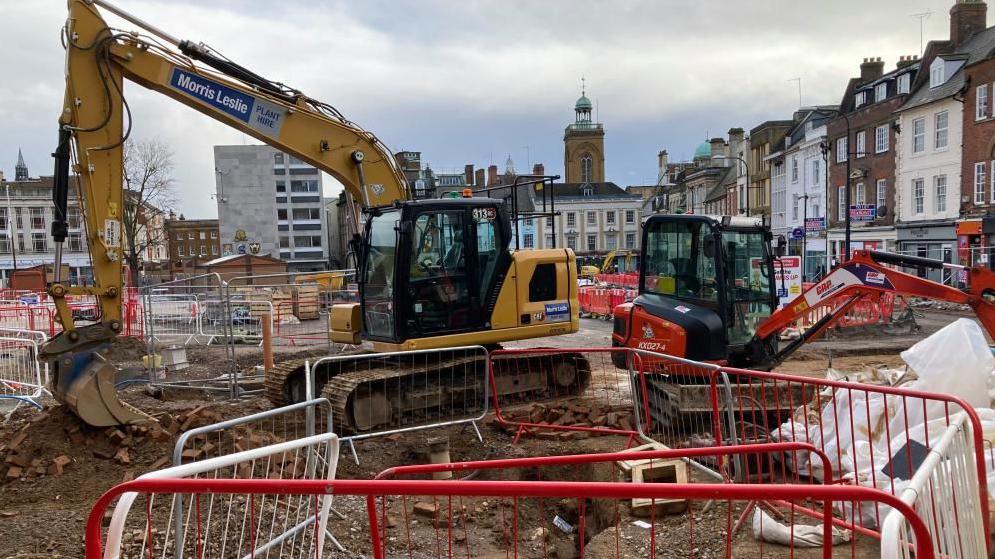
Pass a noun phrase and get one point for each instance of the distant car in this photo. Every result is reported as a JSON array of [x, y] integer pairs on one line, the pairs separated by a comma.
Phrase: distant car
[[86, 314]]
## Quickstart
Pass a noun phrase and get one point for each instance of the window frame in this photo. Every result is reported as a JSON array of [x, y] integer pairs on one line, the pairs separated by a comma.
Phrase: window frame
[[860, 143], [841, 149], [881, 141], [981, 101], [979, 182], [919, 135], [918, 196], [880, 92], [881, 192], [937, 196], [945, 129], [841, 203]]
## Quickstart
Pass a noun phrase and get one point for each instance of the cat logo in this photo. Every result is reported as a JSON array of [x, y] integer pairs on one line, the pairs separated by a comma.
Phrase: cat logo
[[648, 331]]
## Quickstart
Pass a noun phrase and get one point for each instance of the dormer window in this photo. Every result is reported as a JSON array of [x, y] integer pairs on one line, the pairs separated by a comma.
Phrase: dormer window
[[936, 73], [904, 83], [880, 92], [588, 190], [860, 99]]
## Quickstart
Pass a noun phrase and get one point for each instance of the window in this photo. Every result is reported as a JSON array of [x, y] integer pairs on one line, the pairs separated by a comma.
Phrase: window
[[881, 192], [4, 243], [572, 242], [841, 148], [214, 249], [991, 177], [284, 242], [18, 213], [306, 213], [37, 218], [794, 207], [610, 242], [180, 251], [39, 242], [203, 250], [630, 217], [630, 240], [542, 285], [4, 223], [979, 183], [940, 191], [281, 186], [904, 83], [918, 196], [981, 102], [549, 241], [307, 241], [860, 99], [936, 73], [278, 158], [861, 143], [281, 214], [304, 186], [881, 139], [859, 192], [295, 161], [528, 222], [816, 172], [592, 243], [549, 222], [841, 201], [592, 218], [528, 240], [20, 242], [610, 217], [919, 135], [794, 169], [942, 125], [189, 235], [571, 219], [74, 218], [75, 241], [214, 234], [586, 169], [203, 235], [880, 92]]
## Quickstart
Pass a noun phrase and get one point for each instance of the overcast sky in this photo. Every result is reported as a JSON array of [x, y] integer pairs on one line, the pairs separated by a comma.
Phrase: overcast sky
[[466, 81]]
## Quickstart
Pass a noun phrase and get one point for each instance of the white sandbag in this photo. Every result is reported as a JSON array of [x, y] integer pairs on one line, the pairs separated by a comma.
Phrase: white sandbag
[[956, 360], [767, 529]]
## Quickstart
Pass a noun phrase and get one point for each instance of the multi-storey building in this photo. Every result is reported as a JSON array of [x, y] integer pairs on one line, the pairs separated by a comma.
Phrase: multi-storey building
[[764, 140], [593, 218], [190, 242], [869, 103], [271, 203], [26, 214], [931, 166], [798, 188]]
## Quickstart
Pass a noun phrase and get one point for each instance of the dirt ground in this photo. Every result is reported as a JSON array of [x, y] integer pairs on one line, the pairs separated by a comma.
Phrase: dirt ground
[[55, 467]]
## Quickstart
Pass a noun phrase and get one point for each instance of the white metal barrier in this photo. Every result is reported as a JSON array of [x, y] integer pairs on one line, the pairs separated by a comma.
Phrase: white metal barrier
[[22, 376], [269, 527], [944, 493]]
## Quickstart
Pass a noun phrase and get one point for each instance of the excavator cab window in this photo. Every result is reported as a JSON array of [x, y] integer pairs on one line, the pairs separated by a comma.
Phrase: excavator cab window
[[438, 287], [378, 284], [680, 261], [748, 279]]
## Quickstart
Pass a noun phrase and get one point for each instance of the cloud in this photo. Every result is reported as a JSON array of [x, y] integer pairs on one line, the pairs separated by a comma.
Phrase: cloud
[[475, 81]]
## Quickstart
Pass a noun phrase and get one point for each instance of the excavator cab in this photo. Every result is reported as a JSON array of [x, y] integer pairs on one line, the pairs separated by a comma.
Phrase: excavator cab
[[430, 266], [706, 284]]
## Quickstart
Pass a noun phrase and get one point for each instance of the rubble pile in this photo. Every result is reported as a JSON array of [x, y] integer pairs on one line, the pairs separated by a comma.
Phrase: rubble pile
[[572, 414]]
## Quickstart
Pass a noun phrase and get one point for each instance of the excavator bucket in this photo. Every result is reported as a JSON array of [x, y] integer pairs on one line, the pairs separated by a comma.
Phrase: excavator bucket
[[86, 386]]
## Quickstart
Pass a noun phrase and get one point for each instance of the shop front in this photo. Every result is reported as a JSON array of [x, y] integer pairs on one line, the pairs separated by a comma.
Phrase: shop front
[[861, 238], [935, 241], [976, 241]]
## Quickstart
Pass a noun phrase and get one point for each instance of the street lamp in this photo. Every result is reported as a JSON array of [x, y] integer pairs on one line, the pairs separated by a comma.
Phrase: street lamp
[[846, 189], [747, 166]]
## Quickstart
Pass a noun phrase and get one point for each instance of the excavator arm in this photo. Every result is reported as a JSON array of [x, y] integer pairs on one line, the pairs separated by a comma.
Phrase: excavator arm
[[92, 132], [866, 275]]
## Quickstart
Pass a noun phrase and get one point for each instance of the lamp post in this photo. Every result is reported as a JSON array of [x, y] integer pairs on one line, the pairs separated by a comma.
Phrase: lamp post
[[747, 167], [846, 189]]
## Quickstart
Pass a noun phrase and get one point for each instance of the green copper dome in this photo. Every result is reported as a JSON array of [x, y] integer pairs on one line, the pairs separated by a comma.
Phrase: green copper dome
[[704, 151], [583, 103]]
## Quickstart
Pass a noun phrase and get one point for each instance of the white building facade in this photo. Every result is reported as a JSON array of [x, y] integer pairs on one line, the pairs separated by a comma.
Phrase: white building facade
[[593, 219]]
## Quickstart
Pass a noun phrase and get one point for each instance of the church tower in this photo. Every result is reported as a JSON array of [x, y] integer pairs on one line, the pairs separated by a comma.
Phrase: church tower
[[20, 170], [584, 145]]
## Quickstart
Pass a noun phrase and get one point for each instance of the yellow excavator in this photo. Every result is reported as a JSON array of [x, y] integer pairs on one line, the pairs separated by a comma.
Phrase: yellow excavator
[[432, 273]]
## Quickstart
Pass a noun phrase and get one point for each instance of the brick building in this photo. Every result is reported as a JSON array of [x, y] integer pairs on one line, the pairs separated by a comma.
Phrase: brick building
[[869, 102], [191, 242]]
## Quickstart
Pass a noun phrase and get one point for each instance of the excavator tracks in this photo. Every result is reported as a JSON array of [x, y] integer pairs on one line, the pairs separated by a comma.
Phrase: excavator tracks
[[372, 394]]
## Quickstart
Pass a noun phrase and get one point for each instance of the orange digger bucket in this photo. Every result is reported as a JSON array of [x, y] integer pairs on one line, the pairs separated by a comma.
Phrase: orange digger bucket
[[86, 386]]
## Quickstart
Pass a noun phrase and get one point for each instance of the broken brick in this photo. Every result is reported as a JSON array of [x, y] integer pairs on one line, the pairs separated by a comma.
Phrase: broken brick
[[103, 452], [115, 436], [20, 460], [191, 454], [426, 509], [159, 463], [122, 456], [14, 472], [15, 443]]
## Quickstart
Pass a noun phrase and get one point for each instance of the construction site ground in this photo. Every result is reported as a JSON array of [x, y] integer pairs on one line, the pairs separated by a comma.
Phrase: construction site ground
[[54, 467]]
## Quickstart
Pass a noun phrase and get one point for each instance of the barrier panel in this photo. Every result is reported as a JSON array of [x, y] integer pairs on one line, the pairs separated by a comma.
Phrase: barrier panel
[[600, 302], [942, 494], [379, 394], [219, 527], [22, 376], [288, 423], [522, 517]]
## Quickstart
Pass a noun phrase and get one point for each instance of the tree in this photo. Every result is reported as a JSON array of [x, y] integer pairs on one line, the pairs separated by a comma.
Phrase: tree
[[148, 197]]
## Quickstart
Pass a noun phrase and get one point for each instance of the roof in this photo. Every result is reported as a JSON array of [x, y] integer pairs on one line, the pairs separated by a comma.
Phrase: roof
[[978, 47], [233, 257], [600, 190], [583, 103], [703, 151]]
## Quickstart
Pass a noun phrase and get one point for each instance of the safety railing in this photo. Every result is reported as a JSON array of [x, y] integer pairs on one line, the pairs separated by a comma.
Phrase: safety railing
[[374, 395], [22, 375], [943, 493], [520, 518], [223, 527]]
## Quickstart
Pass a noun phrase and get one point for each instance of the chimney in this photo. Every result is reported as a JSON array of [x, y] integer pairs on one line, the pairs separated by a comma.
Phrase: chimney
[[906, 61], [539, 169], [871, 69], [662, 158], [735, 143], [468, 174], [492, 175], [967, 17], [479, 178], [718, 149]]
